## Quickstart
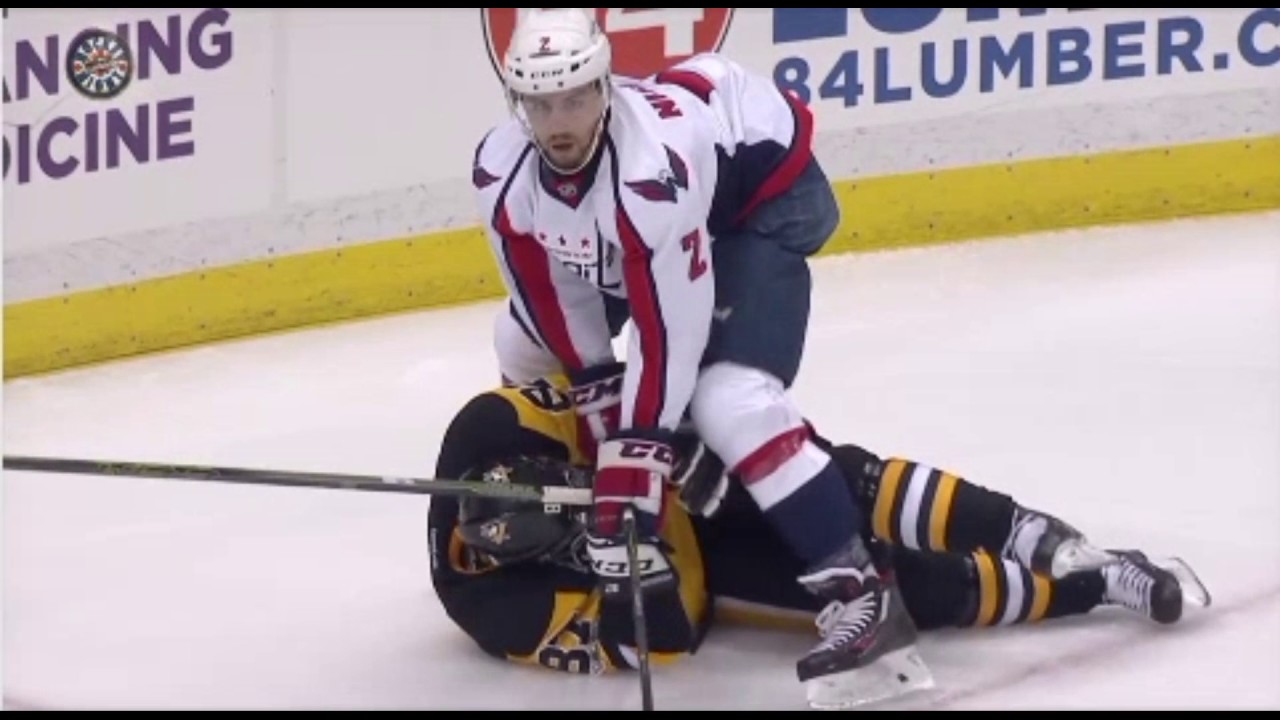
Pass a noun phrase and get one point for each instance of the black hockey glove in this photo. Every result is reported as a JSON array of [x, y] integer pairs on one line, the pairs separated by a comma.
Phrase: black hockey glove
[[699, 475]]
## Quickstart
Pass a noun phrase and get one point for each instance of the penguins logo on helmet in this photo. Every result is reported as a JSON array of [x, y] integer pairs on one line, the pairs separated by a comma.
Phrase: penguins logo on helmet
[[495, 532], [507, 531]]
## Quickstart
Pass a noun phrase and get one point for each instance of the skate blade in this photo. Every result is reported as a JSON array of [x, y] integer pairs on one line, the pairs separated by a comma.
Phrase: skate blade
[[1193, 590], [1075, 557], [897, 673]]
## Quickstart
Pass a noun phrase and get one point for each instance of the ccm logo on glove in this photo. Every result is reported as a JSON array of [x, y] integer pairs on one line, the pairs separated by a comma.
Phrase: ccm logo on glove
[[644, 450], [596, 396], [620, 568], [631, 471]]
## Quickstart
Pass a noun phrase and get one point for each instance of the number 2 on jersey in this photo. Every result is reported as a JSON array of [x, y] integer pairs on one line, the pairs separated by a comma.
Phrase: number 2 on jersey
[[692, 244]]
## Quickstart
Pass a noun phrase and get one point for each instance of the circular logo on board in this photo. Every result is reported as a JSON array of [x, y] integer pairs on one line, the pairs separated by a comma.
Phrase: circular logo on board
[[99, 64], [645, 40]]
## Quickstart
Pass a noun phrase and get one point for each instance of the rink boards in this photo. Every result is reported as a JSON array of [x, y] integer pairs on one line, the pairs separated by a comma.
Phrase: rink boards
[[236, 186]]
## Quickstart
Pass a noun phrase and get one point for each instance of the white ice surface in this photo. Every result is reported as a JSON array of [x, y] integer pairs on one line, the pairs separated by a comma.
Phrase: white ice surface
[[1127, 379]]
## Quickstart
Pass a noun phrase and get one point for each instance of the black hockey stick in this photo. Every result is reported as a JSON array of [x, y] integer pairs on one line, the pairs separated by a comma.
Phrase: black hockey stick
[[637, 609], [293, 478]]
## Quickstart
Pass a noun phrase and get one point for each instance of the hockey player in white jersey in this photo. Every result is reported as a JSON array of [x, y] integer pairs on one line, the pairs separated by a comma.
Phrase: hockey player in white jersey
[[688, 202]]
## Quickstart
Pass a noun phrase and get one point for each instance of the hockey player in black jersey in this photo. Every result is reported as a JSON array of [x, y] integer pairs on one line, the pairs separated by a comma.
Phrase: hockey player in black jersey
[[517, 577]]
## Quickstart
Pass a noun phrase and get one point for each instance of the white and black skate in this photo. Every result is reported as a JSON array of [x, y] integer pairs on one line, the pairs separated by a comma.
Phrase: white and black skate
[[1157, 589], [868, 647], [1046, 545]]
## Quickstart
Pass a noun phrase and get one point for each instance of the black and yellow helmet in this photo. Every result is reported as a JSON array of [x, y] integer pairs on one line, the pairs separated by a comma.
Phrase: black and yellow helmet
[[511, 531]]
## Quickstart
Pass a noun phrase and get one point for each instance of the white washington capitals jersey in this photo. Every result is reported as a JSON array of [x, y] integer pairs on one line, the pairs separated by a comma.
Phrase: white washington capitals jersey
[[685, 155]]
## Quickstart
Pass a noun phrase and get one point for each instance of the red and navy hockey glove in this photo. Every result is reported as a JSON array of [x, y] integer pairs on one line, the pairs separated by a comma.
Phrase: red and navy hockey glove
[[596, 393], [632, 472]]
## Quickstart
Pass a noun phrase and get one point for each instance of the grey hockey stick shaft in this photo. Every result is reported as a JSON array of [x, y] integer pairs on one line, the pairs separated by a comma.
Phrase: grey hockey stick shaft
[[294, 478], [637, 610]]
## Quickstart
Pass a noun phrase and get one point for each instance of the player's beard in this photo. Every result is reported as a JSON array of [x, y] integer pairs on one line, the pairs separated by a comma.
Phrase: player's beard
[[566, 150], [569, 166]]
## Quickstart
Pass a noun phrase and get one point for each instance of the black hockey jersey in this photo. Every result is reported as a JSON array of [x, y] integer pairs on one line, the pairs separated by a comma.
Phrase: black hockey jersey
[[544, 614]]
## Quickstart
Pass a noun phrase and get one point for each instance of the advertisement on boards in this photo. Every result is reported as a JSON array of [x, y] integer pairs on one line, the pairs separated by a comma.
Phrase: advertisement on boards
[[947, 60], [119, 120], [861, 66]]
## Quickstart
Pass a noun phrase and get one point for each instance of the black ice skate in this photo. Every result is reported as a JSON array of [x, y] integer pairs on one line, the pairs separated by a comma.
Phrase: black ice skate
[[1048, 546], [1157, 589], [868, 648]]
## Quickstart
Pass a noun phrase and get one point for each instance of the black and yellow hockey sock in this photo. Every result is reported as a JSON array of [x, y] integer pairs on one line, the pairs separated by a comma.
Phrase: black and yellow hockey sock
[[925, 508], [1005, 593]]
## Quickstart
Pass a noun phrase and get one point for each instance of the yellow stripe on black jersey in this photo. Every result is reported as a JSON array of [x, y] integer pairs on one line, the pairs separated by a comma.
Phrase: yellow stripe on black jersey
[[549, 615]]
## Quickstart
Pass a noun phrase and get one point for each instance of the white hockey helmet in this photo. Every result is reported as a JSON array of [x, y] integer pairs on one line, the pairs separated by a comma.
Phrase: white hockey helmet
[[555, 49]]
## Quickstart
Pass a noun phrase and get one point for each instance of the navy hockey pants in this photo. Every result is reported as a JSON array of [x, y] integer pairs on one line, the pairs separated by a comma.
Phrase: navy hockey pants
[[763, 281]]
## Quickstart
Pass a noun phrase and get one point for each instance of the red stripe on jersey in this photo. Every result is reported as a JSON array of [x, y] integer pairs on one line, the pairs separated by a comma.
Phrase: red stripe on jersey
[[793, 162], [689, 80], [532, 269], [646, 313]]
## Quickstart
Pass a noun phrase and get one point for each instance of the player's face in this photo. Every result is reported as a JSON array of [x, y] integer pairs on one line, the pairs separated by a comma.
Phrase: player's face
[[565, 123]]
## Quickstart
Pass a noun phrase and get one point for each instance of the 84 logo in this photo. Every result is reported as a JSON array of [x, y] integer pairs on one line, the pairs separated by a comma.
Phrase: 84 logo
[[645, 40]]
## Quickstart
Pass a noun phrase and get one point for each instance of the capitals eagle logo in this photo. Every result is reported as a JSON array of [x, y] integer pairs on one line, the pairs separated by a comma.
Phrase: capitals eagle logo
[[671, 179]]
